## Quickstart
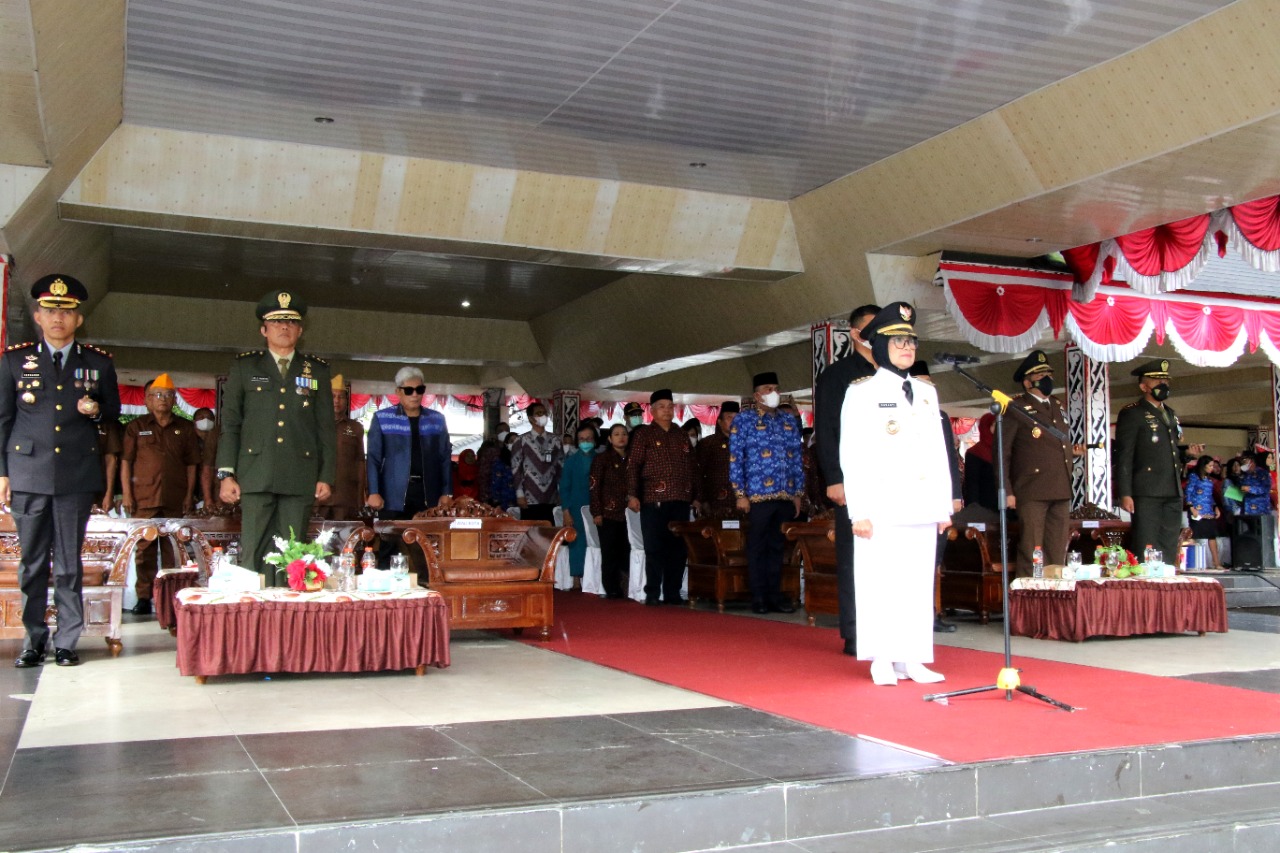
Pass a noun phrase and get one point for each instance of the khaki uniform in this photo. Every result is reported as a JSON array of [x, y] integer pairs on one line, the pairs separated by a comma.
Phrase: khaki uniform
[[1037, 469], [349, 482], [158, 458]]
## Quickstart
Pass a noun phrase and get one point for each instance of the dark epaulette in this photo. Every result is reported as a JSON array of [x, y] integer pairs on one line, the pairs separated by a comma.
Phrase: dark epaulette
[[1132, 405], [13, 347], [314, 358], [98, 350], [254, 353], [860, 380]]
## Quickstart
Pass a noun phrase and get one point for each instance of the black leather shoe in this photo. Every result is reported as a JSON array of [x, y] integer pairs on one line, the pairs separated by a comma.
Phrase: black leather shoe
[[67, 657], [782, 605], [941, 626], [653, 601], [675, 601], [850, 647], [142, 608], [29, 658], [759, 607]]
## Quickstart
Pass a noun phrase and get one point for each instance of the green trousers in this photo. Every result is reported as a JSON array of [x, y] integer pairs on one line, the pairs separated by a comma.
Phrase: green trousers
[[265, 515]]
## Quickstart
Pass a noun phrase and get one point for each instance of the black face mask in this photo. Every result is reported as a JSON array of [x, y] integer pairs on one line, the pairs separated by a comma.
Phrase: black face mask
[[1161, 392], [1044, 385]]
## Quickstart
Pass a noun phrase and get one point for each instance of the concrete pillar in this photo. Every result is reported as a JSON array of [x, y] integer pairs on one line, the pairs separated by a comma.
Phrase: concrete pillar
[[565, 406], [831, 342], [1089, 423]]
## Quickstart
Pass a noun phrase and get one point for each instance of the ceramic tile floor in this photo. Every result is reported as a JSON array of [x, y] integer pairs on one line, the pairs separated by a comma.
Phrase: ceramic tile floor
[[508, 724]]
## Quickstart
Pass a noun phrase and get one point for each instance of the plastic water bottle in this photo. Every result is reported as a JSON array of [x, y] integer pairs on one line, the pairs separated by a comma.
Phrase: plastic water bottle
[[232, 557], [1147, 554], [369, 560], [1037, 562], [347, 570]]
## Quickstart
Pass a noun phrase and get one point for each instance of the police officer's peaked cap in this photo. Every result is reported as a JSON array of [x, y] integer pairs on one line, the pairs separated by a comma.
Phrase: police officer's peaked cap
[[1158, 369], [896, 318], [59, 291], [1035, 363], [282, 305], [632, 408]]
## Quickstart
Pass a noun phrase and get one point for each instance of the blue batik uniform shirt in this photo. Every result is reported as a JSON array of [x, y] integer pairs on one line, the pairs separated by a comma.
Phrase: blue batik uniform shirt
[[765, 461]]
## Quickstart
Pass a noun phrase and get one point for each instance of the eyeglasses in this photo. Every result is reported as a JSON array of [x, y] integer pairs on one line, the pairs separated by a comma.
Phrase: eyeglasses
[[413, 390], [904, 341]]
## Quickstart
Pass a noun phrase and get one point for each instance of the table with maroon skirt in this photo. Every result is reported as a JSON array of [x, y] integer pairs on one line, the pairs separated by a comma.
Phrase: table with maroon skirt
[[278, 630], [164, 593], [1053, 609]]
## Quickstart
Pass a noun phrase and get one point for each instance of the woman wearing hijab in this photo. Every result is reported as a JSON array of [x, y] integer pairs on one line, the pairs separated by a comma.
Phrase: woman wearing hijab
[[890, 430]]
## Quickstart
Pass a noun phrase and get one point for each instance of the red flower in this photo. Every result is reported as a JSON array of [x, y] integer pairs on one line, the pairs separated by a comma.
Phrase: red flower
[[302, 572]]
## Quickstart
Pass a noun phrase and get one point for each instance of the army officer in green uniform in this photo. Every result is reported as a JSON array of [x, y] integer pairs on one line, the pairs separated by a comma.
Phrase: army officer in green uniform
[[1148, 464], [277, 454]]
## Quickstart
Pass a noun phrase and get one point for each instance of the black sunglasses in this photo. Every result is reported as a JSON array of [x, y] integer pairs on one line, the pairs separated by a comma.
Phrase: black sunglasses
[[409, 390]]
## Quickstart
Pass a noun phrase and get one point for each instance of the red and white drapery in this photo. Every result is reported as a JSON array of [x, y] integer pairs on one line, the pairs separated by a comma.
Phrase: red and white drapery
[[1169, 257], [1007, 309]]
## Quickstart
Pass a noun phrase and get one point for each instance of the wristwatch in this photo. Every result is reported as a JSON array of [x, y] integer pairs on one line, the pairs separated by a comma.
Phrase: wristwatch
[[226, 474]]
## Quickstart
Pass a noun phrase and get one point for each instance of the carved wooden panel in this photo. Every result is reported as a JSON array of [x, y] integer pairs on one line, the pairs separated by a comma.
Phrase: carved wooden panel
[[464, 545]]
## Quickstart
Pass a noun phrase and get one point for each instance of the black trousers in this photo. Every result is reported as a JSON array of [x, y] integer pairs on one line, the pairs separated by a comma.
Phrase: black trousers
[[765, 544], [664, 552], [538, 512], [615, 557], [844, 574], [51, 533]]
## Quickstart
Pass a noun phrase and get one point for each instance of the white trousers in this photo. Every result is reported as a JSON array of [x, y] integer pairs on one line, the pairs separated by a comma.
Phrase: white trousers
[[893, 581]]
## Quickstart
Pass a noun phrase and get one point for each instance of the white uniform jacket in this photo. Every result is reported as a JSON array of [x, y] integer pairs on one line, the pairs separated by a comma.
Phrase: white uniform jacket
[[894, 453]]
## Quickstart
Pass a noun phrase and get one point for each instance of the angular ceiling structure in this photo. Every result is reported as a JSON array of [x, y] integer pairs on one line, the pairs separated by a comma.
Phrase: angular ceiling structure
[[597, 194]]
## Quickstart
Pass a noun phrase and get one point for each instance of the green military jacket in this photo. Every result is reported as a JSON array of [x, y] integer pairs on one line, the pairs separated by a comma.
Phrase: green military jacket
[[1147, 460], [278, 435]]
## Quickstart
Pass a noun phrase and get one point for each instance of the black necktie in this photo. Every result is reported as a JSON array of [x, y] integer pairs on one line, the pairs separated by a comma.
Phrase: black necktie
[[57, 363], [906, 389]]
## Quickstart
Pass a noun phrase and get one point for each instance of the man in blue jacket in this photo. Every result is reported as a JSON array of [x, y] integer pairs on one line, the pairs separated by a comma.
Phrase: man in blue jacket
[[409, 452]]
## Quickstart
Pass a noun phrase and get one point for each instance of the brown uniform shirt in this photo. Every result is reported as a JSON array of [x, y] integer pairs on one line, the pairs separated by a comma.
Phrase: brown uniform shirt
[[349, 482], [711, 471], [159, 457], [609, 485], [1037, 466], [660, 465]]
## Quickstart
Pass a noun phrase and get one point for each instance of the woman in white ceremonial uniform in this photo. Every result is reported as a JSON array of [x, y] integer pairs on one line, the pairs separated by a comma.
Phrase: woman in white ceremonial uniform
[[899, 500]]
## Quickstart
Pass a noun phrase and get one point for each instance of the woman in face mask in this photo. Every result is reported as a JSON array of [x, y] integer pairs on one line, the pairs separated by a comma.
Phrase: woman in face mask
[[693, 429], [1255, 485], [1201, 506], [575, 496]]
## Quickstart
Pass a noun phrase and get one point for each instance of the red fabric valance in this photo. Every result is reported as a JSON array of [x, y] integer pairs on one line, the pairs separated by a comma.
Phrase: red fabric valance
[[1006, 309], [1169, 257]]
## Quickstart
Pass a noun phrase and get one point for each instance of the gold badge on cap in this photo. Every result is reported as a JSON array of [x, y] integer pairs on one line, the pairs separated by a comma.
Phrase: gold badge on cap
[[1040, 357], [905, 311], [891, 427], [284, 299], [58, 288], [1164, 365]]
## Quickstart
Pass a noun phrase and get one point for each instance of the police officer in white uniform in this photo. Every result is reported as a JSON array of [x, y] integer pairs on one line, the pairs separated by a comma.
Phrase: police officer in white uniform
[[890, 429]]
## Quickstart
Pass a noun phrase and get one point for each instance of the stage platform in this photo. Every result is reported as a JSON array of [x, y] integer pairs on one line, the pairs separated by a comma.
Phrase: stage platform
[[520, 746]]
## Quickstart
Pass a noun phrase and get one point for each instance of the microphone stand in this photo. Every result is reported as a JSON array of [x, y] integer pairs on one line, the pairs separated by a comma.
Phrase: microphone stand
[[1009, 679]]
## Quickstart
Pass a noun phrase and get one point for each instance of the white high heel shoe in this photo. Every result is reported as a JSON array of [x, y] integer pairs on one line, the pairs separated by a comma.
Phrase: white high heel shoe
[[882, 673], [919, 673]]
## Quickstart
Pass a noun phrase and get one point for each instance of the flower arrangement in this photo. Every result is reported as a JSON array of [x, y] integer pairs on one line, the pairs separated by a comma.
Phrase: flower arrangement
[[1125, 562], [302, 562]]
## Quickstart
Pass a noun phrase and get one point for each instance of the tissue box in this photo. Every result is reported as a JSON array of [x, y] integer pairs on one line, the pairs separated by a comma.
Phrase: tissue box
[[1161, 570], [1090, 572], [235, 579]]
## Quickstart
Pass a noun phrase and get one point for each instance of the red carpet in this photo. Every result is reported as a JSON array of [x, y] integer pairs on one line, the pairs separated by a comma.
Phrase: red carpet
[[798, 672]]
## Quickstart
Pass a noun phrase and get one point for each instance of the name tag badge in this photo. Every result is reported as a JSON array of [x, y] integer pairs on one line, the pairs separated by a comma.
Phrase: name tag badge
[[888, 405], [144, 432], [466, 524], [259, 379]]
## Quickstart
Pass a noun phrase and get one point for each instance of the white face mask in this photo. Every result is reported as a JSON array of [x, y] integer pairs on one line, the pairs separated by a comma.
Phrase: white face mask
[[540, 420], [772, 399], [502, 437], [204, 424]]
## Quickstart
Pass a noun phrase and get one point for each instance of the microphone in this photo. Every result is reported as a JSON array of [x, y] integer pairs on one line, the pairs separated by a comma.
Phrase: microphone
[[952, 358]]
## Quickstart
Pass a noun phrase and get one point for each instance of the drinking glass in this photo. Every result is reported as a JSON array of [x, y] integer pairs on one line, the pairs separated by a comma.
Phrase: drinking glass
[[1157, 557], [1073, 559], [399, 567]]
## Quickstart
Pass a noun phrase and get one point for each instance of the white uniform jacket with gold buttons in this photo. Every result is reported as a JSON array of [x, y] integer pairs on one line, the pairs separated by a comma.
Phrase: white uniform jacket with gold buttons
[[893, 453]]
